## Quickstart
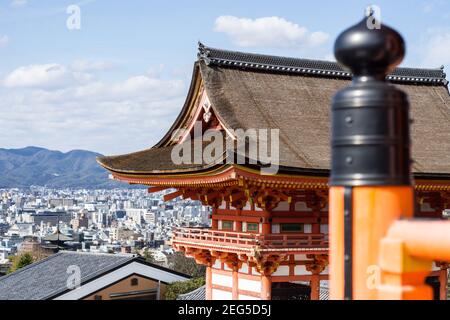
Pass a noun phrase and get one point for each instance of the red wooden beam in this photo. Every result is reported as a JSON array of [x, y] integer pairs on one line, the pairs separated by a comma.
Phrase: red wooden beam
[[173, 195], [297, 278], [156, 189]]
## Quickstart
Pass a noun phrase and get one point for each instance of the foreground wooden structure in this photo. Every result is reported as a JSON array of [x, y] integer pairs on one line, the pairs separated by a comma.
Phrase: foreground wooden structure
[[372, 200], [269, 233]]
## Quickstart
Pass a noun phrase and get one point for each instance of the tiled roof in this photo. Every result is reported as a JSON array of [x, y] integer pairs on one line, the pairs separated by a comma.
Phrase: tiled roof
[[48, 277], [57, 237], [323, 294], [330, 69], [324, 291], [197, 294], [251, 91]]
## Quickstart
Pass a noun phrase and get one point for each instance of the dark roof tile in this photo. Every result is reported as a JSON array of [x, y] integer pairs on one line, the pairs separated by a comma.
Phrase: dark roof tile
[[244, 60], [197, 294], [48, 277]]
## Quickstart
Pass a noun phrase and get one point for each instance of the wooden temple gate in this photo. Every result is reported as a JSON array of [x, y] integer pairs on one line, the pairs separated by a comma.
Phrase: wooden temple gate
[[266, 251], [262, 249]]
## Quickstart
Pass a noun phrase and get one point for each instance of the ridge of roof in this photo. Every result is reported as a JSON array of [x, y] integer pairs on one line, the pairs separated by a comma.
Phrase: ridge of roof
[[321, 68]]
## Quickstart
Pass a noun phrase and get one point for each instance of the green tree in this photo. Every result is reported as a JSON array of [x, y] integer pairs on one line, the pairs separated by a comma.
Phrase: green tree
[[148, 256], [180, 287], [20, 261], [180, 263]]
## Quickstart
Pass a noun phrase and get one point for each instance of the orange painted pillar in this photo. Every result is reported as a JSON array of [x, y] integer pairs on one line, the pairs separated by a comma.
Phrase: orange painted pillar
[[266, 225], [315, 287], [315, 228], [235, 287], [443, 281], [266, 228], [238, 226], [374, 210], [214, 224], [266, 287], [208, 283]]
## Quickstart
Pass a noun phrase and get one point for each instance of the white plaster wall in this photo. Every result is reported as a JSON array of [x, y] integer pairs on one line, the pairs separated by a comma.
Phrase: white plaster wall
[[223, 205], [225, 267], [249, 285], [221, 279], [325, 271], [307, 228], [301, 206], [282, 206], [254, 271], [244, 268], [281, 271], [244, 297], [324, 228], [300, 271], [276, 228], [300, 257], [221, 295]]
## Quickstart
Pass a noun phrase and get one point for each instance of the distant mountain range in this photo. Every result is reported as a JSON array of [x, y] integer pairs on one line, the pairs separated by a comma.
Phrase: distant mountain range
[[41, 167]]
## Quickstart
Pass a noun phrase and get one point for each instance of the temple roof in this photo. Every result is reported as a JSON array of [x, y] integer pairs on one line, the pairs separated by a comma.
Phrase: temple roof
[[318, 68], [158, 159], [294, 95], [58, 236]]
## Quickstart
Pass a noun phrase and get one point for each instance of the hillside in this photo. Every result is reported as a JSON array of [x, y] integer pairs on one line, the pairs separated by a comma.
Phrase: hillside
[[42, 167]]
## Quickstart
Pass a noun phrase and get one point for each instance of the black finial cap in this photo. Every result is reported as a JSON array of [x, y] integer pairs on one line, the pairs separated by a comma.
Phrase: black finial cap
[[369, 48], [370, 138]]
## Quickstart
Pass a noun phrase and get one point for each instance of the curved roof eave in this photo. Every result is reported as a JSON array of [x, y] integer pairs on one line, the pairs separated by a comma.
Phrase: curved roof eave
[[194, 88]]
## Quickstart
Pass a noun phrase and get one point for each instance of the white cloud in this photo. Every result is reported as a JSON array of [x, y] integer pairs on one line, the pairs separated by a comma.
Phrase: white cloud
[[111, 118], [433, 5], [84, 65], [140, 88], [4, 39], [50, 75], [18, 3], [436, 48], [268, 32]]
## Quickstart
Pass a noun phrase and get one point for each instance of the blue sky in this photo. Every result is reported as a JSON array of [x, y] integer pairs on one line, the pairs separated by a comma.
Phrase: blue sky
[[116, 84]]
